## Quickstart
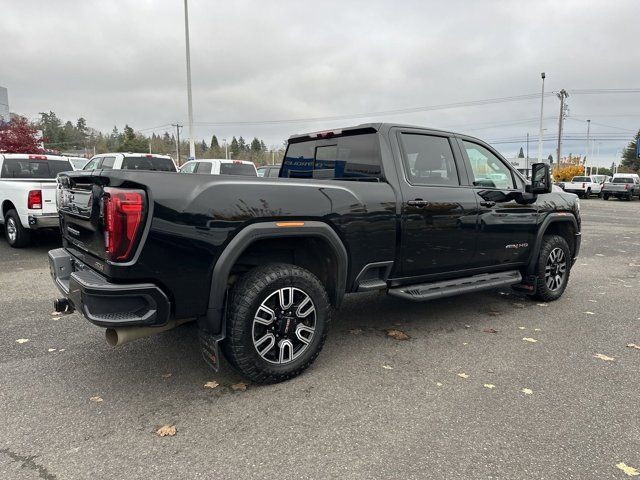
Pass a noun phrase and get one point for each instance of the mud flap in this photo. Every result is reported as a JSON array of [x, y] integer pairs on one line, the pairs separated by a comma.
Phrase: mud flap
[[528, 285], [210, 345]]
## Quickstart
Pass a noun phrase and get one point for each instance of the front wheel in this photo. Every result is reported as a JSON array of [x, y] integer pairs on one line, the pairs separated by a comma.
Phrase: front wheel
[[554, 266], [605, 196], [277, 322]]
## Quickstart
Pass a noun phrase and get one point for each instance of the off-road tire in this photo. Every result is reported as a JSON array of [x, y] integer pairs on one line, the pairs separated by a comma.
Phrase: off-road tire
[[550, 243], [19, 236], [605, 196], [246, 296]]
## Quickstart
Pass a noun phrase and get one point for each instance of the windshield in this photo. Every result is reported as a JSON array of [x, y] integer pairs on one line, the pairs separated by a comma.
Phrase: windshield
[[29, 168], [581, 179], [622, 180], [237, 169], [148, 163]]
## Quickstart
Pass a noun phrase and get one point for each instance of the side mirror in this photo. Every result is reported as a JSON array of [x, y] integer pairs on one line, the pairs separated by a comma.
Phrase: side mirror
[[540, 179]]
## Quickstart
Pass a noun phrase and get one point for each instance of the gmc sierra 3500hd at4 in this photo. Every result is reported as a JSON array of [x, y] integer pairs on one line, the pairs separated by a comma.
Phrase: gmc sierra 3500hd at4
[[261, 263]]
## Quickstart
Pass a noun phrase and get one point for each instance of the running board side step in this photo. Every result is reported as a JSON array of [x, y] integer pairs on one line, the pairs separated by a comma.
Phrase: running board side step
[[457, 286]]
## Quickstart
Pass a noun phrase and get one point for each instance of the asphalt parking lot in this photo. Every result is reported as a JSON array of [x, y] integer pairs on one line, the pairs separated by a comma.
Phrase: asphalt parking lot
[[453, 401]]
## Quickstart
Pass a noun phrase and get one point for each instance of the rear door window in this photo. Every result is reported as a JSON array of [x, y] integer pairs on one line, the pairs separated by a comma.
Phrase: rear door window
[[108, 162], [429, 160], [354, 157], [237, 169], [203, 168], [28, 168], [148, 163]]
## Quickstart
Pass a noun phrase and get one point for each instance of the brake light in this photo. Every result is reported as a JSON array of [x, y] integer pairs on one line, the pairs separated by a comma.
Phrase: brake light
[[325, 134], [37, 157], [584, 185], [35, 200], [626, 186], [123, 212]]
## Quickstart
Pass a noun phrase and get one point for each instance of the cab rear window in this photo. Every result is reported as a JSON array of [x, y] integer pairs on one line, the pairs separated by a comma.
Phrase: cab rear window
[[622, 180], [28, 168], [237, 169], [148, 163], [354, 157]]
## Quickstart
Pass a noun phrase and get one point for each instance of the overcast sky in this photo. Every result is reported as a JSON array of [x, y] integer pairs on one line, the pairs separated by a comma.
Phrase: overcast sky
[[117, 62]]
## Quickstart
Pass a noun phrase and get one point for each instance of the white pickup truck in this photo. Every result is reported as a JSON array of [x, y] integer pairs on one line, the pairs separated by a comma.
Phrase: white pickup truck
[[28, 194], [584, 186]]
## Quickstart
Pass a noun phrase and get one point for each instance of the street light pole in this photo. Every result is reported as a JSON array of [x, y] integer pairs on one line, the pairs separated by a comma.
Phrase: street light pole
[[192, 146], [541, 112], [562, 95], [586, 151]]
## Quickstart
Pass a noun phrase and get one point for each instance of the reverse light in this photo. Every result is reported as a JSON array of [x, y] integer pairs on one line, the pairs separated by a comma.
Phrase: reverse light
[[34, 201], [123, 211]]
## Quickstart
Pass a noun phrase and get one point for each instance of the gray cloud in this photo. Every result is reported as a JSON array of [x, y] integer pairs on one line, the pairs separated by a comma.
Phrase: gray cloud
[[123, 62]]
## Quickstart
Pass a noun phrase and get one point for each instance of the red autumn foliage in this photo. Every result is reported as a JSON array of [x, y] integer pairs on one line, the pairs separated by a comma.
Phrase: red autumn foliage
[[19, 136]]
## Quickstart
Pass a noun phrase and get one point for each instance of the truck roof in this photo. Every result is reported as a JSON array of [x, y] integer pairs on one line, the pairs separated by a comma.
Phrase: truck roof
[[34, 156], [364, 128]]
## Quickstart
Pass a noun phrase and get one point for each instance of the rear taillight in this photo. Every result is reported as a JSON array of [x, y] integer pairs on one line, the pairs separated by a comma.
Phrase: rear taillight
[[35, 200], [123, 212], [584, 185]]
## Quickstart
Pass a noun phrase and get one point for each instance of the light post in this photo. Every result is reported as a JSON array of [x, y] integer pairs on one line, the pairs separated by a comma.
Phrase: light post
[[226, 149], [192, 146], [587, 149], [541, 113]]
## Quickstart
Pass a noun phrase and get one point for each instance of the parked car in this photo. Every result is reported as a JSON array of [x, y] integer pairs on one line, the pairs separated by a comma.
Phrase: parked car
[[622, 186], [269, 171], [78, 163], [417, 213], [219, 167], [28, 194], [584, 186], [131, 161]]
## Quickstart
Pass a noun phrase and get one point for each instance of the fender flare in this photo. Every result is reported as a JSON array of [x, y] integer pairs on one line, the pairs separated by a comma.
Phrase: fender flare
[[555, 217], [212, 322]]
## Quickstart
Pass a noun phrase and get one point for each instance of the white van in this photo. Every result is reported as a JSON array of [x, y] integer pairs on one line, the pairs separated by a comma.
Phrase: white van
[[213, 166], [131, 161]]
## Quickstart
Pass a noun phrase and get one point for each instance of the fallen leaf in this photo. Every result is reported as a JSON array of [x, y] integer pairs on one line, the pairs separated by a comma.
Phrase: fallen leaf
[[387, 367], [240, 386], [96, 399], [632, 472], [211, 384], [51, 350], [22, 340], [589, 313], [465, 343], [467, 326], [490, 330], [489, 386], [593, 301], [463, 375], [55, 314], [518, 305], [599, 255], [529, 339], [604, 357], [166, 375], [62, 350], [521, 328], [633, 345], [355, 331], [527, 391], [493, 313], [542, 305], [438, 384], [537, 330], [397, 334], [166, 431]]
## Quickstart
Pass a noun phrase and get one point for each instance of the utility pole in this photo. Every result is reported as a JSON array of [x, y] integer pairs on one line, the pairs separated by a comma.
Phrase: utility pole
[[192, 146], [561, 95], [541, 111], [178, 127], [586, 150]]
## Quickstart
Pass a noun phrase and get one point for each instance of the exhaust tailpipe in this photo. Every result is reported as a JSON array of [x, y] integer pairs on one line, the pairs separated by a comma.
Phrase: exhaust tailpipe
[[62, 305], [121, 335]]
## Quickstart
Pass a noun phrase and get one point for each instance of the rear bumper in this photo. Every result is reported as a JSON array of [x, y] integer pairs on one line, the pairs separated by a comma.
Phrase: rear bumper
[[104, 303], [574, 190], [43, 220]]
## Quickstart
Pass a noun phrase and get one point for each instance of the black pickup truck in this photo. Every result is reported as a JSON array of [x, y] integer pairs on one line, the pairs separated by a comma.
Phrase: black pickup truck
[[261, 263]]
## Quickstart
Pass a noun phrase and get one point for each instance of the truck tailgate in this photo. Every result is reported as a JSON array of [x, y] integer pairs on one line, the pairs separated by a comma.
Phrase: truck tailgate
[[49, 197]]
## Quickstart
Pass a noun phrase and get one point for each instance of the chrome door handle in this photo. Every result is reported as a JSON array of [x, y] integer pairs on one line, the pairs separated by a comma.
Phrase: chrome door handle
[[418, 202], [487, 204]]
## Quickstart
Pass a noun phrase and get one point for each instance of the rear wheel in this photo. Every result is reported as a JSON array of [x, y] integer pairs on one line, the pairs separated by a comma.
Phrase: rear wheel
[[277, 322], [588, 194], [605, 196], [554, 265], [17, 236]]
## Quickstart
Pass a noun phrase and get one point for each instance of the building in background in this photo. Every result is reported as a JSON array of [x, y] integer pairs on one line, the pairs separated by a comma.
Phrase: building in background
[[523, 164], [4, 105]]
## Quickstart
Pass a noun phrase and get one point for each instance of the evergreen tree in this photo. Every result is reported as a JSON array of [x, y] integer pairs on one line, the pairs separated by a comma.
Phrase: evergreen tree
[[255, 145], [235, 147], [242, 145], [214, 142], [630, 154]]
